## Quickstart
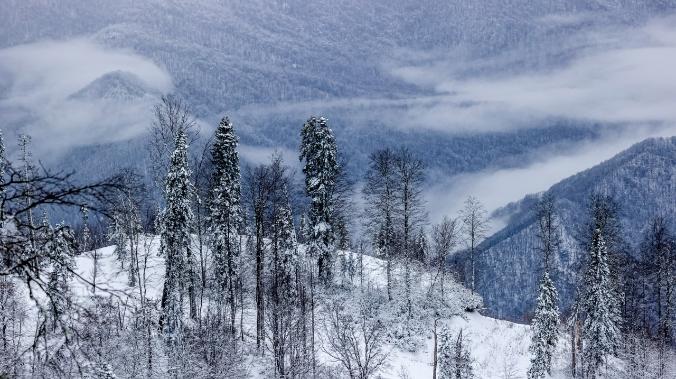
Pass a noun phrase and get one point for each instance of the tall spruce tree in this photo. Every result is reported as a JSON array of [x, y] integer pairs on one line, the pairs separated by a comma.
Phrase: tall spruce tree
[[225, 216], [545, 329], [176, 222], [546, 320], [600, 329], [603, 220], [318, 150]]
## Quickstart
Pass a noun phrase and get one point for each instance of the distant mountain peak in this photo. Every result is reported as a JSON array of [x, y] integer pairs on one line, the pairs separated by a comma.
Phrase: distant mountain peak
[[115, 85]]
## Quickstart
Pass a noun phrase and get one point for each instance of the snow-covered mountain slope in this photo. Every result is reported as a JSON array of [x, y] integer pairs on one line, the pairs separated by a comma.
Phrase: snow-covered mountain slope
[[642, 180], [499, 348]]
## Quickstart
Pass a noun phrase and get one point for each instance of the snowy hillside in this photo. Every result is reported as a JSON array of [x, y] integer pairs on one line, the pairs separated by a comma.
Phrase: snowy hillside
[[499, 348]]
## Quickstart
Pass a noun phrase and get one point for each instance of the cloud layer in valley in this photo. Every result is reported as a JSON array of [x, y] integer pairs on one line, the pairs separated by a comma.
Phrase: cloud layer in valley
[[608, 75], [621, 76], [76, 92], [496, 188]]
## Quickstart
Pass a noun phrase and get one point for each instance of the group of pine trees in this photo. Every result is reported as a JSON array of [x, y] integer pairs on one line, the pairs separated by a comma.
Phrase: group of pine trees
[[614, 300], [260, 211]]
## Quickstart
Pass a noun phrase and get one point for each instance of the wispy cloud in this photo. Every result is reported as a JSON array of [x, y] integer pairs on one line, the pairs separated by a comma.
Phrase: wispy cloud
[[628, 77], [43, 77], [610, 76]]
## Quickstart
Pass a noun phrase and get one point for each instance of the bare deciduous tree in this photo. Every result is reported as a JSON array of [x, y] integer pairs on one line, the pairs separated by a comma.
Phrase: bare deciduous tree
[[355, 341], [171, 116], [409, 174], [475, 226], [257, 192], [548, 229], [379, 193], [444, 238]]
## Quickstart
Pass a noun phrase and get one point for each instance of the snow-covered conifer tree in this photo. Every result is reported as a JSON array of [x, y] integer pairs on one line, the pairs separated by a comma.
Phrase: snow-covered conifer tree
[[455, 360], [600, 329], [118, 236], [282, 290], [546, 320], [287, 247], [86, 231], [225, 215], [318, 150], [462, 358], [545, 329], [175, 244]]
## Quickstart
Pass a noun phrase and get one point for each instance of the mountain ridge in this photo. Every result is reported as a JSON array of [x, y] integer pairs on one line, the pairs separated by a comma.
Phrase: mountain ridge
[[641, 179]]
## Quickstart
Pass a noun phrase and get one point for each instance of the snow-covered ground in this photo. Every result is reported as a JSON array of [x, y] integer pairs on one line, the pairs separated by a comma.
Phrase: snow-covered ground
[[499, 348], [113, 279]]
